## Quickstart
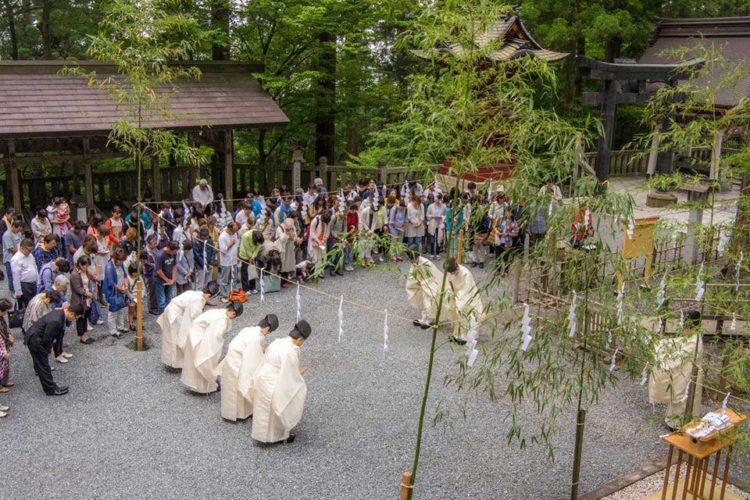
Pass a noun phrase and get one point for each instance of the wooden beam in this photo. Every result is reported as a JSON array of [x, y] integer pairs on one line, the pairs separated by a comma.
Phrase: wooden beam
[[228, 168], [15, 184], [89, 177], [36, 159], [155, 178]]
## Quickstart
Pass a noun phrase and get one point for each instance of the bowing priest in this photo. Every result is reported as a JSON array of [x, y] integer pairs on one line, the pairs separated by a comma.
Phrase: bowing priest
[[176, 319], [423, 288], [678, 363], [203, 348], [464, 306], [239, 366], [280, 390]]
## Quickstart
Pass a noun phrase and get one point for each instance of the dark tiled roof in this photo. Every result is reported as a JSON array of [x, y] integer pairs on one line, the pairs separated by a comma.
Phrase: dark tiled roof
[[37, 101], [729, 35]]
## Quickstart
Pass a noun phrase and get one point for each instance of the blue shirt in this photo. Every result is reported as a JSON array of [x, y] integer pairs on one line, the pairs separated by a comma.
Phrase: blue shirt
[[41, 256]]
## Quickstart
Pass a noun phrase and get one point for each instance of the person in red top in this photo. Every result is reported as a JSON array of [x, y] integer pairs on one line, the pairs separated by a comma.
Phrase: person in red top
[[352, 227], [581, 228], [116, 226]]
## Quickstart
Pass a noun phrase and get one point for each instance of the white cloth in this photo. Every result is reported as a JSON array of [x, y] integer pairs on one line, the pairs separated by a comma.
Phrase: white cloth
[[203, 350], [237, 371], [175, 324], [204, 197], [24, 270], [228, 255], [280, 393], [423, 287]]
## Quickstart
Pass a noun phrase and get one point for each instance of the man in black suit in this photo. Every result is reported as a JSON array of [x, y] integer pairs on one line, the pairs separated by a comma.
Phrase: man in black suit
[[39, 338]]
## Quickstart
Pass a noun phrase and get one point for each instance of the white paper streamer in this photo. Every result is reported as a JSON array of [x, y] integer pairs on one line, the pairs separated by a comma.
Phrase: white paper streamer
[[613, 364], [699, 285], [341, 317], [682, 319], [631, 228], [205, 258], [733, 326], [525, 328], [186, 214], [609, 338], [489, 191], [342, 202], [687, 391], [661, 295], [385, 332], [572, 321], [472, 357], [620, 304], [725, 402], [262, 287], [549, 209], [299, 304], [644, 375]]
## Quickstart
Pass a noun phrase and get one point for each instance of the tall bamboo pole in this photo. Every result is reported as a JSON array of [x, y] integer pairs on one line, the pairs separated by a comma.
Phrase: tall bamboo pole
[[139, 249]]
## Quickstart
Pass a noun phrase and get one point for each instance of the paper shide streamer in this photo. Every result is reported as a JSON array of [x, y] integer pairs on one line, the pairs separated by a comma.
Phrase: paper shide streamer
[[613, 364], [700, 285], [341, 317], [644, 375], [262, 287], [572, 321], [661, 295], [525, 328], [299, 304], [737, 271], [621, 304], [385, 333]]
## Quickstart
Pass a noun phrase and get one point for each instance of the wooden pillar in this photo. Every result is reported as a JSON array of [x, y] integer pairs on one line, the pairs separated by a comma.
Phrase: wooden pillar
[[604, 147], [228, 168], [297, 160], [383, 174], [692, 241], [88, 177], [155, 178], [12, 177]]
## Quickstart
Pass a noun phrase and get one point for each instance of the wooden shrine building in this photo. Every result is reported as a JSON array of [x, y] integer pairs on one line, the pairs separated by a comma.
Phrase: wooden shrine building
[[50, 119]]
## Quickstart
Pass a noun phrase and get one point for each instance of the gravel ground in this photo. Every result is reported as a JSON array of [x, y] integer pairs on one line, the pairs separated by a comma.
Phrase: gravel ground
[[128, 429]]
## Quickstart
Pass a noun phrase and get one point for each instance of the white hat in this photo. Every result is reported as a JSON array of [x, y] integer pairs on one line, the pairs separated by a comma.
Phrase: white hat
[[500, 189], [203, 182], [318, 181]]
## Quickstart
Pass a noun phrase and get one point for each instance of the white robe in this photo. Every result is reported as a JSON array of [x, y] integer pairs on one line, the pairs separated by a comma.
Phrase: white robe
[[673, 367], [423, 287], [203, 350], [280, 393], [237, 370], [463, 299], [175, 324]]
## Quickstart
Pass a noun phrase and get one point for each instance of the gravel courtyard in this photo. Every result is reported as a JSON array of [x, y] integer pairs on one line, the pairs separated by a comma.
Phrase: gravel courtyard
[[129, 430]]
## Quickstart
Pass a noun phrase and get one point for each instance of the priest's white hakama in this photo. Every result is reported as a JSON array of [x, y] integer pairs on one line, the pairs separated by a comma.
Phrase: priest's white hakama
[[280, 393], [203, 350], [673, 368], [463, 301], [175, 324], [423, 288], [237, 370]]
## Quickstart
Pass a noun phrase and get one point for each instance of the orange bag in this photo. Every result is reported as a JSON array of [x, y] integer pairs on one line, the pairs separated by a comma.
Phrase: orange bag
[[237, 296]]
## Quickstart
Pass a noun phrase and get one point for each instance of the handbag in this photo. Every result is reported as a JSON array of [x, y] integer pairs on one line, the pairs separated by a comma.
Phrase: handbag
[[15, 317], [271, 284], [237, 296], [94, 313]]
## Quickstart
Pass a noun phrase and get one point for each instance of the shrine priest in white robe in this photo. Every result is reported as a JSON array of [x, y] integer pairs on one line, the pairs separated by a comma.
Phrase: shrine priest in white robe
[[176, 319], [203, 348], [678, 360], [423, 288], [238, 368], [280, 390], [464, 305]]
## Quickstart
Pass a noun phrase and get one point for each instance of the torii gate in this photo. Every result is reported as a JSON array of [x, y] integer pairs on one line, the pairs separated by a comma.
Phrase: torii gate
[[625, 83]]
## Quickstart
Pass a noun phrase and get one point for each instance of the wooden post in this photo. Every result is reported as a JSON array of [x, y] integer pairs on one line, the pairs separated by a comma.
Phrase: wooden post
[[652, 155], [692, 245], [323, 172], [15, 183], [604, 148], [155, 178], [406, 485], [297, 160], [228, 168], [383, 174], [139, 315], [88, 177]]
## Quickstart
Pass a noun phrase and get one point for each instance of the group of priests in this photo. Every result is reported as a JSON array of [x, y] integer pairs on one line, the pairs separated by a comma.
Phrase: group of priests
[[265, 383]]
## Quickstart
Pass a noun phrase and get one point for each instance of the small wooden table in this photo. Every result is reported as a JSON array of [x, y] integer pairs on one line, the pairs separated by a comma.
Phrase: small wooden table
[[698, 455]]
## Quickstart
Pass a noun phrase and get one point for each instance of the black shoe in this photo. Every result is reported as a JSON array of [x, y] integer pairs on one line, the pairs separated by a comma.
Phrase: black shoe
[[416, 323], [288, 440], [331, 273], [457, 340], [58, 391], [340, 272], [424, 326]]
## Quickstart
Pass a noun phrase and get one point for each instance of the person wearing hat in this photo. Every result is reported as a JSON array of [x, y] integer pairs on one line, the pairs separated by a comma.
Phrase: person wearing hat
[[319, 187], [203, 348], [674, 372], [176, 319], [237, 370], [203, 194], [463, 305], [279, 389]]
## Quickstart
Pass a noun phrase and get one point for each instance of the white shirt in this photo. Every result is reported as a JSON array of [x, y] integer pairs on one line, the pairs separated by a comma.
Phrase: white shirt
[[24, 270], [228, 255], [241, 217], [204, 197]]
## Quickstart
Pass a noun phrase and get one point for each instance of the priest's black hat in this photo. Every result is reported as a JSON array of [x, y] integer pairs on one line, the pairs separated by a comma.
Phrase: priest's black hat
[[211, 288], [301, 329], [271, 321], [236, 307]]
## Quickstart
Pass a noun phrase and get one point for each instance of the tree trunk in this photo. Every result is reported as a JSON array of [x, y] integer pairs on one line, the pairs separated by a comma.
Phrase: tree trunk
[[220, 21], [325, 106], [612, 50], [352, 138], [11, 17], [44, 29], [262, 160]]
